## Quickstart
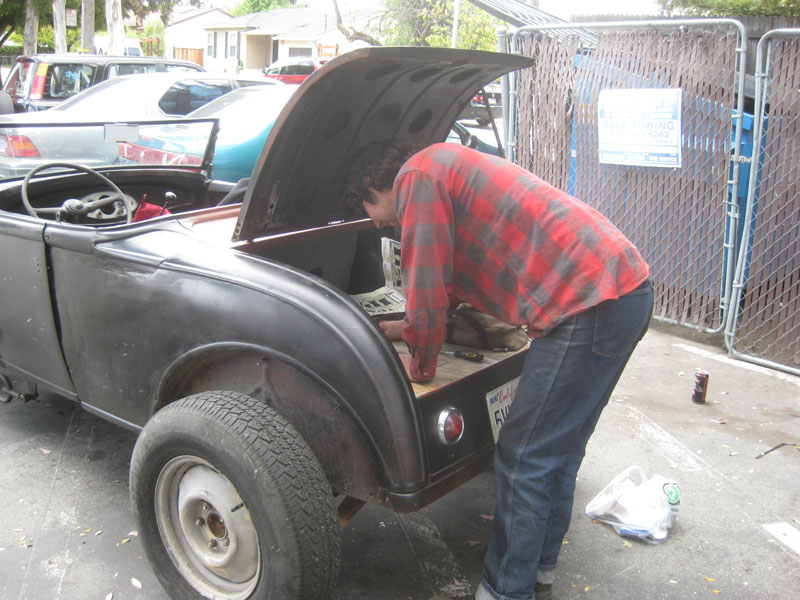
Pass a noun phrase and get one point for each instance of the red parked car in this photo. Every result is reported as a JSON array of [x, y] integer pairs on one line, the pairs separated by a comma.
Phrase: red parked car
[[292, 70]]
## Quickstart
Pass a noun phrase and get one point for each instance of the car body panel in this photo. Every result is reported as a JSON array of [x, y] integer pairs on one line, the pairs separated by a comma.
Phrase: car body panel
[[292, 70], [29, 341], [136, 97], [363, 96], [245, 115]]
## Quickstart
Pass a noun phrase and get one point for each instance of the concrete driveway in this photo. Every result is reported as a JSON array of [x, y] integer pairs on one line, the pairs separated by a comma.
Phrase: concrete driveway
[[66, 529]]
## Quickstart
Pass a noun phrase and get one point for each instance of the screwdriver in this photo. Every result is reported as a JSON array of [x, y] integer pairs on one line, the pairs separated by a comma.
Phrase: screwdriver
[[465, 354]]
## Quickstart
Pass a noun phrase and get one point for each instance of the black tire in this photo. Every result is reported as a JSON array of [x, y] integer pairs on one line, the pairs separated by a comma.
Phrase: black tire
[[231, 503], [483, 122]]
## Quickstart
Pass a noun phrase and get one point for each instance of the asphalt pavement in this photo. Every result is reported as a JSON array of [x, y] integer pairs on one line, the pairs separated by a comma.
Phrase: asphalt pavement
[[67, 532]]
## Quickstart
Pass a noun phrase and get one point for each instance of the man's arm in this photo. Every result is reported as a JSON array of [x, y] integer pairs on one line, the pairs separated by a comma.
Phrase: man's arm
[[426, 216]]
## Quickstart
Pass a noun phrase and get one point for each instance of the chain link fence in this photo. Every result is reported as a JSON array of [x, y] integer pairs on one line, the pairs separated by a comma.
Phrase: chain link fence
[[764, 325], [680, 218]]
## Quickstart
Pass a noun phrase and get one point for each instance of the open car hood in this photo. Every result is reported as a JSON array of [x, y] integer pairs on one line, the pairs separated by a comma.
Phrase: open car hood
[[372, 94]]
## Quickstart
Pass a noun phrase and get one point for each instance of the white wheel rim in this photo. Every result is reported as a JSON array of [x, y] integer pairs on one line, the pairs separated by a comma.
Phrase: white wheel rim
[[207, 530]]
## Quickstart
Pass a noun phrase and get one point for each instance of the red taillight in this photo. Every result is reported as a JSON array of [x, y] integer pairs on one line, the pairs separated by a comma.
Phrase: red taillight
[[37, 88], [450, 426], [478, 98], [18, 146]]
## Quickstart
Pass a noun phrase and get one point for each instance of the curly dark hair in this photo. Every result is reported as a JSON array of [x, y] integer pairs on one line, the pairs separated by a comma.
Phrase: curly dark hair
[[373, 166]]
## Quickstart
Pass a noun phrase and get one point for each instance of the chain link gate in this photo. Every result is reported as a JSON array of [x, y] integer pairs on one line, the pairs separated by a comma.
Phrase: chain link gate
[[764, 323], [681, 219]]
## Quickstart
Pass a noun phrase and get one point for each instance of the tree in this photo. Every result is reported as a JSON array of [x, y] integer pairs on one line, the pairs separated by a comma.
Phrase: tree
[[247, 7], [11, 18], [87, 25], [141, 9], [153, 30], [728, 8], [116, 29], [60, 25], [430, 23], [31, 35], [30, 24]]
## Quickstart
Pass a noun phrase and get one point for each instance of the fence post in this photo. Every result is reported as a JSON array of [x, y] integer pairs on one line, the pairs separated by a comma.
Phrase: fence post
[[766, 320]]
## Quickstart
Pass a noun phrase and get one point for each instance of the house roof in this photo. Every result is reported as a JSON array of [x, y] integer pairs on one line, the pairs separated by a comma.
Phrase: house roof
[[189, 15], [301, 21], [279, 21]]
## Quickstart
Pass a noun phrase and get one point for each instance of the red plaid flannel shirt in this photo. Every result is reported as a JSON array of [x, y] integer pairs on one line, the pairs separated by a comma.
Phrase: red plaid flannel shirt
[[479, 229]]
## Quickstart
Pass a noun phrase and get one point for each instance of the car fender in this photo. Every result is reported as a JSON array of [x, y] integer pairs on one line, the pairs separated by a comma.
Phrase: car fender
[[339, 438], [200, 299], [317, 331]]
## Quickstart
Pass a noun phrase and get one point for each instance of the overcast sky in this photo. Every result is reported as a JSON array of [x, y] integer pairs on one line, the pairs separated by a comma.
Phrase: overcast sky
[[566, 8]]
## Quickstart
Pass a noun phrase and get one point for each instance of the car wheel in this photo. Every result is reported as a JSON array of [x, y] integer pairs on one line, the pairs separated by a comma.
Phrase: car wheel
[[231, 503], [483, 122]]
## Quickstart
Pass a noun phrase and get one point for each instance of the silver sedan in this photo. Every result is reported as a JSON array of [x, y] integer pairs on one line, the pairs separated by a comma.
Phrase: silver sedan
[[154, 96]]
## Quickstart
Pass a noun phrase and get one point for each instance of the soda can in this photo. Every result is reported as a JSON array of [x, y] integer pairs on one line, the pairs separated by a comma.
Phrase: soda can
[[700, 387]]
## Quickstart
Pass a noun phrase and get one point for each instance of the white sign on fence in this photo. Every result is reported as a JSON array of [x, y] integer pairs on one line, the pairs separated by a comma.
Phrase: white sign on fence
[[72, 17], [640, 127]]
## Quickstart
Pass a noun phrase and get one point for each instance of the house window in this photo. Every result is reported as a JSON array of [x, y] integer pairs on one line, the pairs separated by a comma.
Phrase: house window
[[210, 45], [232, 53]]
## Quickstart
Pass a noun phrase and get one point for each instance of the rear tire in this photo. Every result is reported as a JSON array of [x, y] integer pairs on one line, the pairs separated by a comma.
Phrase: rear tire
[[231, 503]]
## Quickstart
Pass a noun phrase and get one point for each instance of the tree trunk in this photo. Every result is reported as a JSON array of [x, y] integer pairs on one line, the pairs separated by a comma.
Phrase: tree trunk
[[60, 25], [87, 25], [30, 39], [116, 29]]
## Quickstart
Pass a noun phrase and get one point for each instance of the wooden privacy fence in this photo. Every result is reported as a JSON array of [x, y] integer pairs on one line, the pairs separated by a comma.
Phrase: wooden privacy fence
[[194, 55]]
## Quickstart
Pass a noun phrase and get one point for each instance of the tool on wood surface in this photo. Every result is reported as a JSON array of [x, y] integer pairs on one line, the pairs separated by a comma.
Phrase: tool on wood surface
[[471, 355]]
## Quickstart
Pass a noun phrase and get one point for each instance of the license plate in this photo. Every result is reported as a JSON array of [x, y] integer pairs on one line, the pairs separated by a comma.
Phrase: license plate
[[498, 401]]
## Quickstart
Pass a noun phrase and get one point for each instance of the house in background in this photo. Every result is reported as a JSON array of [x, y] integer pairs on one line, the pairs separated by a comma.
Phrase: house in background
[[185, 36], [254, 41]]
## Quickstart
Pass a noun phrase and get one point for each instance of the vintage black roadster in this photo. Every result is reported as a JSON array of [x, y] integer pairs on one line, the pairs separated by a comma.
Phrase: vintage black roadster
[[219, 322]]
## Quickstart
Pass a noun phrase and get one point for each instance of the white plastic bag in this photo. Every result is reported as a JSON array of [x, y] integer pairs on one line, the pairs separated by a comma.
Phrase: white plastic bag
[[636, 506]]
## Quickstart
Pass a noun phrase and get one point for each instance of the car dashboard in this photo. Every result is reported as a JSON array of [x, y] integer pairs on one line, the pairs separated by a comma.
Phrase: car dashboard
[[161, 190]]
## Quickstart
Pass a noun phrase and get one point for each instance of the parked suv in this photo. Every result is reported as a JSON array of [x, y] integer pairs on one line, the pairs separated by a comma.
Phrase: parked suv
[[41, 81]]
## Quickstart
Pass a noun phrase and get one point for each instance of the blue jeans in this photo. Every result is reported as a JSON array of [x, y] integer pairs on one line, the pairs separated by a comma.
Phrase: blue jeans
[[566, 382]]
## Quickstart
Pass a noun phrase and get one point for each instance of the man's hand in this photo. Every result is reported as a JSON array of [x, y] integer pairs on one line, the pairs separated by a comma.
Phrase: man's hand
[[392, 329], [406, 360]]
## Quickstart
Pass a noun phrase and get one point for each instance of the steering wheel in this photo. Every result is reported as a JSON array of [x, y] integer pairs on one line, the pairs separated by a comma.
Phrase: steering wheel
[[73, 207]]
